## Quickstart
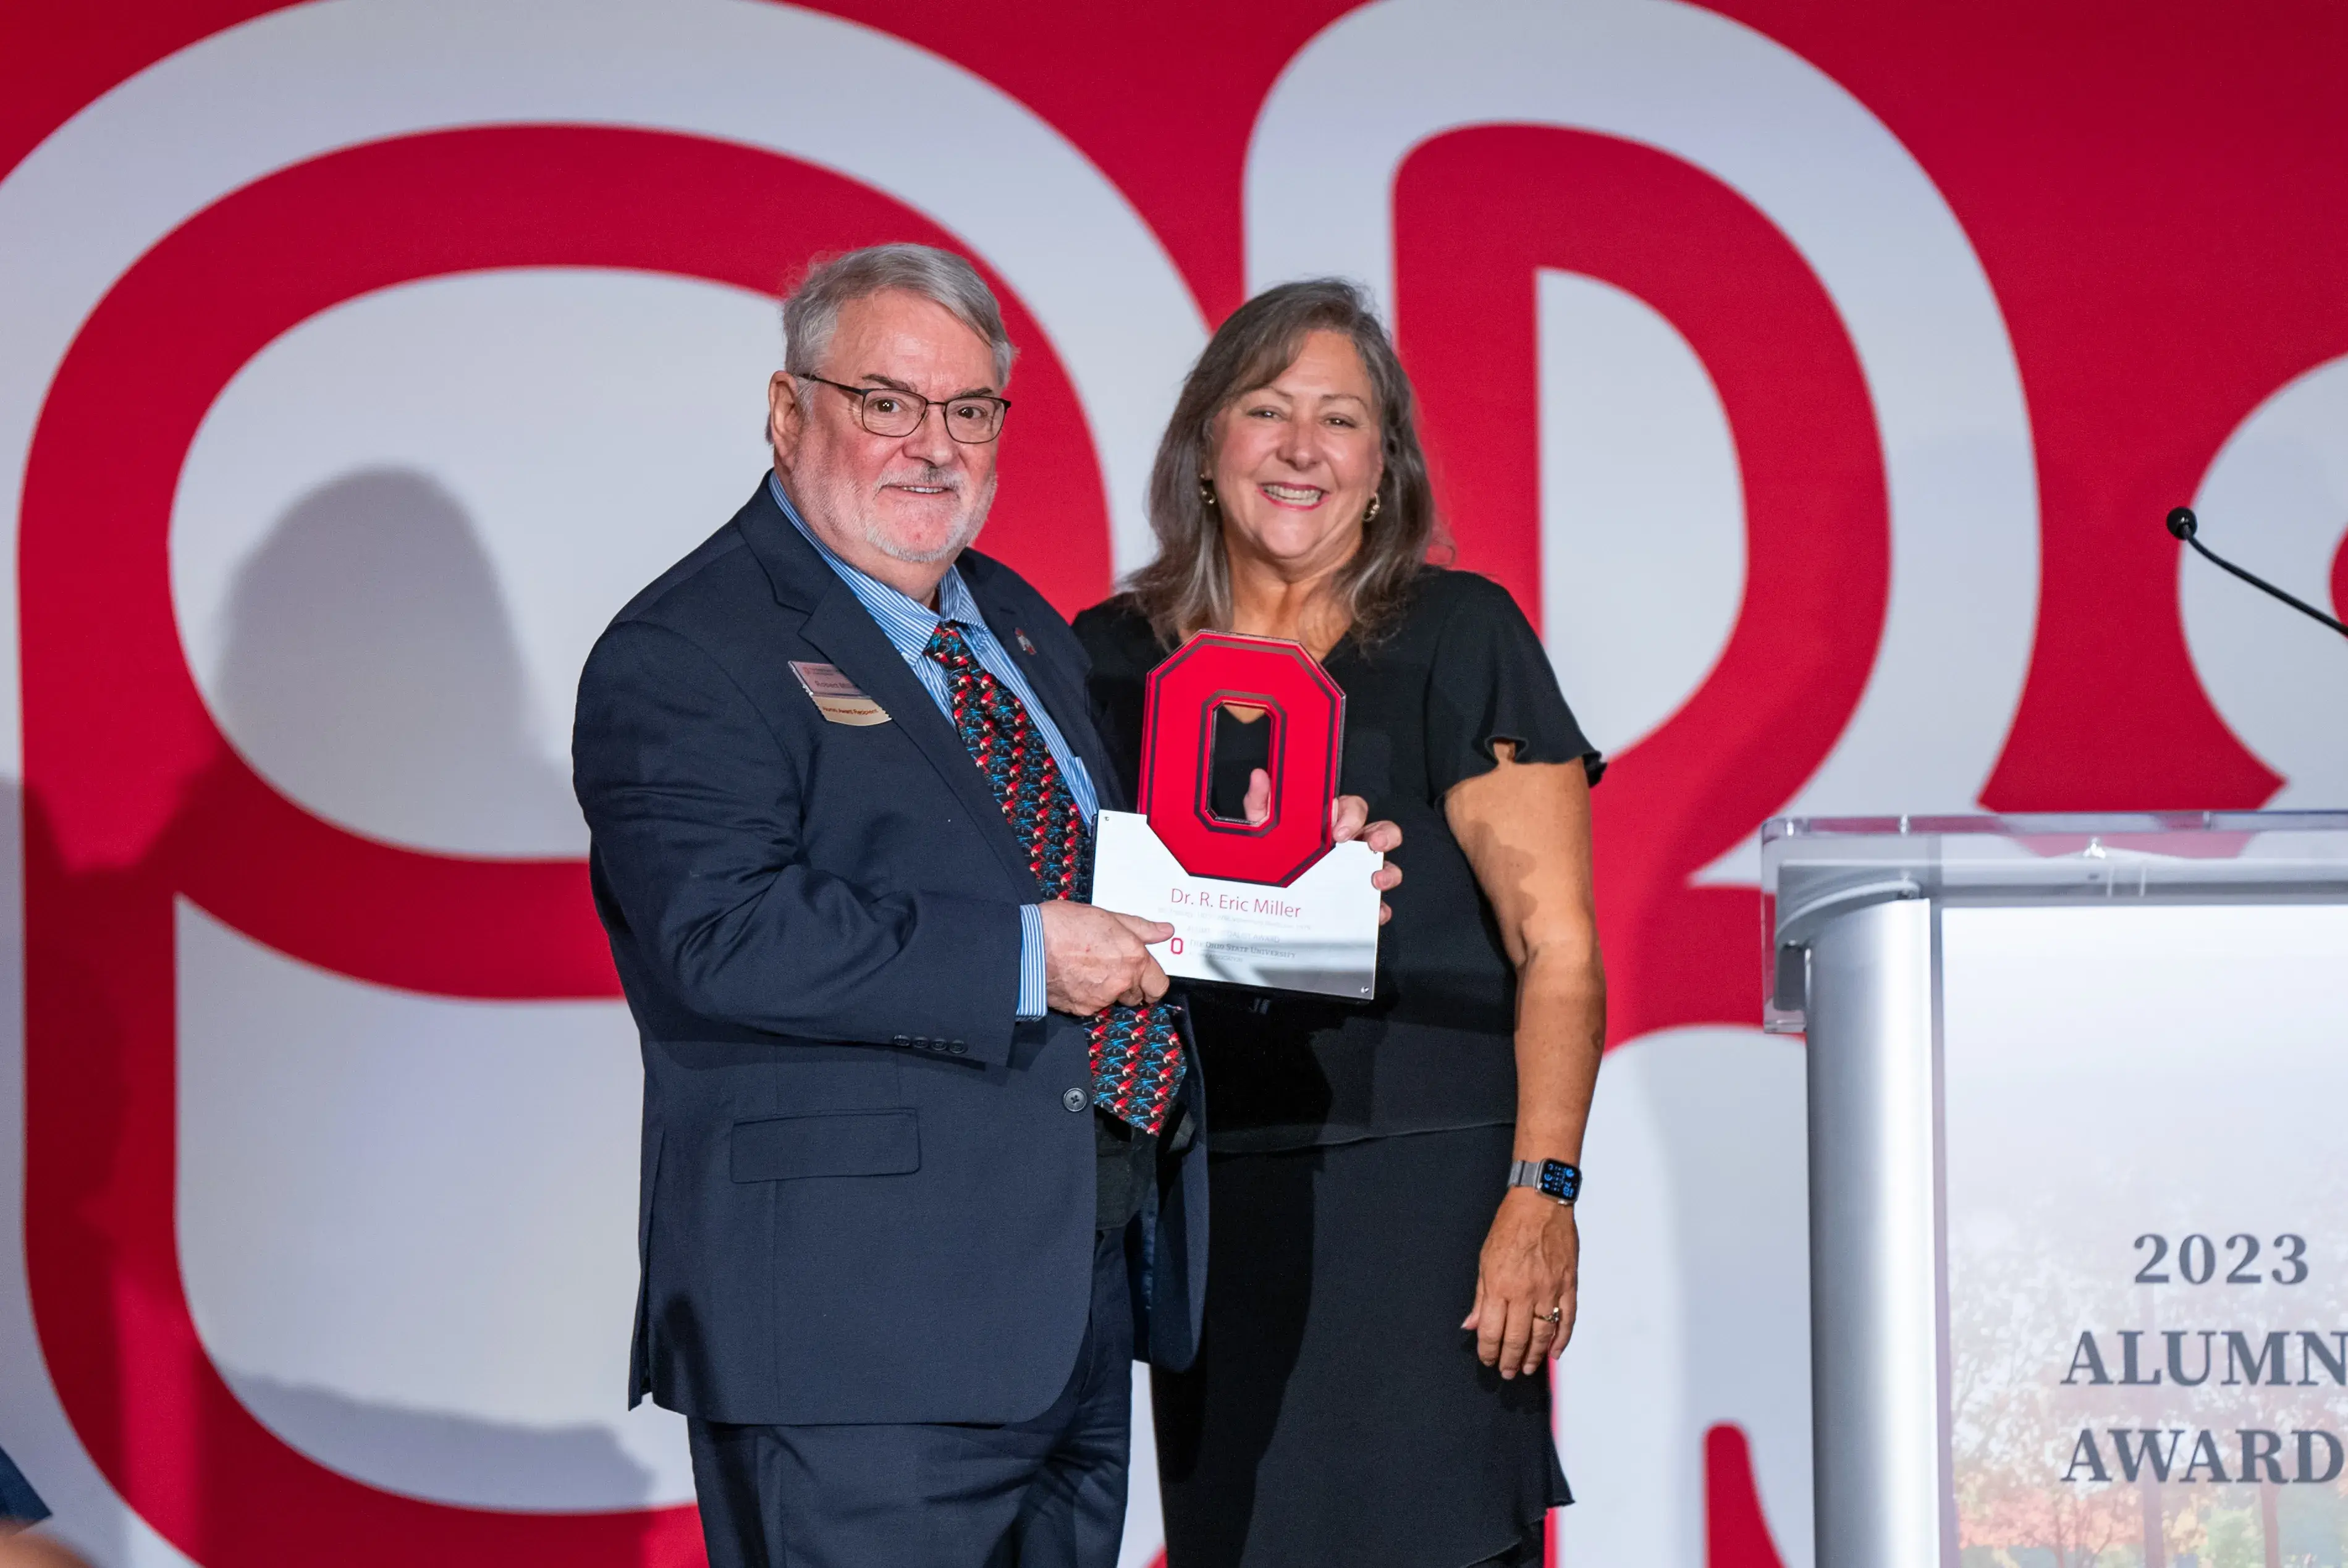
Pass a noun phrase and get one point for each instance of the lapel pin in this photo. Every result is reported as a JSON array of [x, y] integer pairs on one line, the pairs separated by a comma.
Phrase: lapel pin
[[1025, 646]]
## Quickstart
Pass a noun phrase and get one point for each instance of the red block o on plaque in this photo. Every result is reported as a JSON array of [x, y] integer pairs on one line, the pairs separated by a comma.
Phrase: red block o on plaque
[[1306, 712]]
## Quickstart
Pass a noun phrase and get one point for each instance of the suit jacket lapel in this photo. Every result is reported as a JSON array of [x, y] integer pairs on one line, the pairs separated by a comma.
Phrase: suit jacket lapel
[[847, 635], [844, 630], [1064, 696]]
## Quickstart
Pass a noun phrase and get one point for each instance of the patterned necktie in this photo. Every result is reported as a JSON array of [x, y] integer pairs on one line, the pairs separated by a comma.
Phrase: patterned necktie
[[1136, 1052]]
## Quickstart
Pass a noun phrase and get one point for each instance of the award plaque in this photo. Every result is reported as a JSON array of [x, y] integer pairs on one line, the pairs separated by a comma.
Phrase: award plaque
[[1274, 904]]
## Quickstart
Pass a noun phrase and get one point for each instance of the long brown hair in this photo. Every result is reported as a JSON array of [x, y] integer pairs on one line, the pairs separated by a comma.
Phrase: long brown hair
[[1188, 586]]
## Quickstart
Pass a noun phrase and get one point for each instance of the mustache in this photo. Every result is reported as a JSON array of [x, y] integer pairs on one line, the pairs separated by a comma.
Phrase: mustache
[[936, 477]]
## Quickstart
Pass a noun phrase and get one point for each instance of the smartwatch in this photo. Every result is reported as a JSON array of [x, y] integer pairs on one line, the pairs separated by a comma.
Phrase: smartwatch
[[1550, 1178]]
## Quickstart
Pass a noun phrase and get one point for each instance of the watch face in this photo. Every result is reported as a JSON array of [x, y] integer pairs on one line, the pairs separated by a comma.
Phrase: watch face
[[1559, 1180]]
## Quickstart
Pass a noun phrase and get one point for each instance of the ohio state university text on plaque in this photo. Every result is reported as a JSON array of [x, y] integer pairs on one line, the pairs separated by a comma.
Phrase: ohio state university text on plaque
[[1239, 858]]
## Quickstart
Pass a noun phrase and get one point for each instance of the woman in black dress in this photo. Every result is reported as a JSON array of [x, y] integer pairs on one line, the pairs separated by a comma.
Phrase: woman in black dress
[[1341, 1411]]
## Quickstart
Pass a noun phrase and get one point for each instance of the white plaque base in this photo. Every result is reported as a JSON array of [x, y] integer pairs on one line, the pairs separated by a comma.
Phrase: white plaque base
[[1319, 934]]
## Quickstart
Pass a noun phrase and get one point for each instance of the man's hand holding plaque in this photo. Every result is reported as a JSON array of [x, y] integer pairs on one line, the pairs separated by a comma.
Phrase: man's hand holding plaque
[[1095, 957], [1266, 876]]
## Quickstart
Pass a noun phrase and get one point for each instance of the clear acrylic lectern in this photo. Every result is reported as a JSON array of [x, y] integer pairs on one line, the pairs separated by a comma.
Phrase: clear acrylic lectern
[[2078, 1130]]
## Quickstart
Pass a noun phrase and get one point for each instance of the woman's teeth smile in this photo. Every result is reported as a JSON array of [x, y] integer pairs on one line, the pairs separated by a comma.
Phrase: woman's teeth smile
[[1293, 495]]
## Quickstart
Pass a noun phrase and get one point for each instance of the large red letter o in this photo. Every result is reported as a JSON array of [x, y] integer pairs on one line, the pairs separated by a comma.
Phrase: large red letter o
[[1308, 713]]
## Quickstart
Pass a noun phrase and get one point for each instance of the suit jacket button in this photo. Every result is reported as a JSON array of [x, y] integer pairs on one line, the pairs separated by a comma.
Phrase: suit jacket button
[[957, 1048], [1074, 1099]]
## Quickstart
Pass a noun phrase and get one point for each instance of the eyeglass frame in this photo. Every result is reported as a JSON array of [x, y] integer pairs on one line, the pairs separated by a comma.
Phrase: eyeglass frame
[[1003, 407]]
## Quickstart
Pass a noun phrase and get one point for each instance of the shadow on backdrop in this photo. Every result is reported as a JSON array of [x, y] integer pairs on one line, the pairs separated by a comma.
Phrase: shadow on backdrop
[[371, 671]]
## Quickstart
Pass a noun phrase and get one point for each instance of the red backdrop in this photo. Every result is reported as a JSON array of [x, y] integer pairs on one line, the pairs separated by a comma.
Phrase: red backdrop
[[2156, 193]]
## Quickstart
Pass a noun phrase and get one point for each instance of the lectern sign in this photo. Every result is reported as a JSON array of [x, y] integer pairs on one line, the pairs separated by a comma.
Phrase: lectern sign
[[2146, 1267], [2078, 1191], [1257, 891]]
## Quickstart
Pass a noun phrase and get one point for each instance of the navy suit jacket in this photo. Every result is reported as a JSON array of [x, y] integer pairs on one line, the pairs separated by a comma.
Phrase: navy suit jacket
[[865, 1196]]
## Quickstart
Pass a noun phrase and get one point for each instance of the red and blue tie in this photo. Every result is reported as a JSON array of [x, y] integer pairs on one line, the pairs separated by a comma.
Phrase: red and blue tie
[[1136, 1052]]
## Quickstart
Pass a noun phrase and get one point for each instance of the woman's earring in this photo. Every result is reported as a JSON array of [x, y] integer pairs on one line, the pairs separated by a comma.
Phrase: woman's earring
[[1371, 515], [1207, 489]]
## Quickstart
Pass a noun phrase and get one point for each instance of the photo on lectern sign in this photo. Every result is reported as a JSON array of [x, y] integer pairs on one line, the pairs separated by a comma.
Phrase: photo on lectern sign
[[2147, 1189]]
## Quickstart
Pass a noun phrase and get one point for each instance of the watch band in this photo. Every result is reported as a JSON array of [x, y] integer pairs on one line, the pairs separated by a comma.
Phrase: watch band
[[1550, 1178]]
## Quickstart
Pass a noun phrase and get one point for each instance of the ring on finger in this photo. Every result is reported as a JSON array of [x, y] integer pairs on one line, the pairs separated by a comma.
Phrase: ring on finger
[[1554, 1317]]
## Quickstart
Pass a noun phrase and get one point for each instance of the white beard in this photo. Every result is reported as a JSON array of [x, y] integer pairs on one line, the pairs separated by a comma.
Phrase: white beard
[[850, 510]]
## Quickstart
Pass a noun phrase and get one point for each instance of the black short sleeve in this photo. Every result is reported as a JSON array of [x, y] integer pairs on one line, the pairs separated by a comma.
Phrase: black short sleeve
[[1491, 680]]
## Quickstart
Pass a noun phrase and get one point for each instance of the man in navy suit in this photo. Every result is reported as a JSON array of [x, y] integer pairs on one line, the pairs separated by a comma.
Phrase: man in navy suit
[[19, 1504], [922, 1163]]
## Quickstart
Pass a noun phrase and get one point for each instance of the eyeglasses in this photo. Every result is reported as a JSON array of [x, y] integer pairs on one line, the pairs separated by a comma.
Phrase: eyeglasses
[[885, 412]]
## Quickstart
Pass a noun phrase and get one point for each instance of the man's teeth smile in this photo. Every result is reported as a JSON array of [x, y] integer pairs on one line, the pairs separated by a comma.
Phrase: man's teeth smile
[[1295, 495]]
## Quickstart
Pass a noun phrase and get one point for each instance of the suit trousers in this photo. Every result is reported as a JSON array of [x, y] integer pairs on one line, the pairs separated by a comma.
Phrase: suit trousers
[[1046, 1492]]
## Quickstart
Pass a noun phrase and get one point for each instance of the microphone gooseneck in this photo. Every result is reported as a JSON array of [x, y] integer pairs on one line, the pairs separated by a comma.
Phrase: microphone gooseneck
[[2185, 526]]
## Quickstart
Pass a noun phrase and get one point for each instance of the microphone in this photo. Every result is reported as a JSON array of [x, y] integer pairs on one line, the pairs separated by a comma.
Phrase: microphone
[[2185, 526]]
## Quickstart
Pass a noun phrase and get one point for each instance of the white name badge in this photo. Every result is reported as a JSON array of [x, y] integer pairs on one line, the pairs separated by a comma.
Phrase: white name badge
[[835, 695]]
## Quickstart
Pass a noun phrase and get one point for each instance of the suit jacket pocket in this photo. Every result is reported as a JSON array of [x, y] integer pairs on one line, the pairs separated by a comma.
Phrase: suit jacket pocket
[[845, 1143]]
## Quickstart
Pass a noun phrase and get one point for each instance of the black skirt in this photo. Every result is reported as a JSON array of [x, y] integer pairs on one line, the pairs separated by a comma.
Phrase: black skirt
[[1337, 1414]]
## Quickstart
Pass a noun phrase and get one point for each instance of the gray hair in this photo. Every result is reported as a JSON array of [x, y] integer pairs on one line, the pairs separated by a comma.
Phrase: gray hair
[[811, 312]]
